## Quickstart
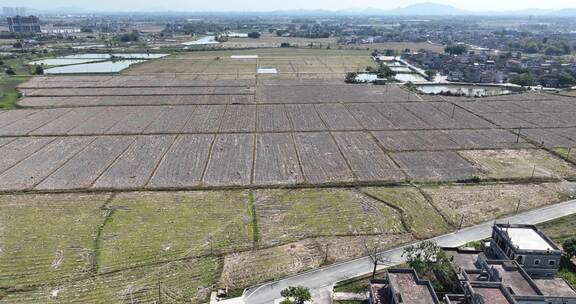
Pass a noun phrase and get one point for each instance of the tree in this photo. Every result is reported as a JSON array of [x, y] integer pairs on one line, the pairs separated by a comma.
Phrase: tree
[[524, 79], [296, 295], [431, 73], [569, 247], [38, 70], [566, 80], [457, 49], [429, 260], [351, 77], [10, 71], [254, 35]]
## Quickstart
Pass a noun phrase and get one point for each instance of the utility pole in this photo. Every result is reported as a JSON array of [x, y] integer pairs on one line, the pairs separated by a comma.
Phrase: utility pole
[[461, 222], [518, 138], [518, 206], [569, 150], [326, 253], [453, 111], [533, 171]]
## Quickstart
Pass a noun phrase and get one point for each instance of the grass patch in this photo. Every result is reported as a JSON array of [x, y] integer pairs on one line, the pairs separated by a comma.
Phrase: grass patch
[[188, 281], [423, 219], [161, 226], [47, 238], [288, 215], [8, 93], [564, 153], [560, 229], [360, 286]]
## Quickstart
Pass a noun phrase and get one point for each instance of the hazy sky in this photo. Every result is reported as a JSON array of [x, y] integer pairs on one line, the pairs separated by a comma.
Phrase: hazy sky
[[262, 5]]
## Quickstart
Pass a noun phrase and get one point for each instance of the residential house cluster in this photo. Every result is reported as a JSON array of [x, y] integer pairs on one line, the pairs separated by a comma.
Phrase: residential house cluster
[[518, 265]]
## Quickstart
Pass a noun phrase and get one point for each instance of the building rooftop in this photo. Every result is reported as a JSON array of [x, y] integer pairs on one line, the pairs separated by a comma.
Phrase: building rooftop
[[463, 258], [493, 294], [527, 237], [513, 278], [557, 287], [411, 290]]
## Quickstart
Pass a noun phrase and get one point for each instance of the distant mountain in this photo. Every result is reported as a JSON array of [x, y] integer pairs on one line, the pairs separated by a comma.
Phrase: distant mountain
[[419, 9], [427, 9]]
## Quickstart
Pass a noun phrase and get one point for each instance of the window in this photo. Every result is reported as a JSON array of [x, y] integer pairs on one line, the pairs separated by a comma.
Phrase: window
[[551, 262], [520, 259], [536, 262]]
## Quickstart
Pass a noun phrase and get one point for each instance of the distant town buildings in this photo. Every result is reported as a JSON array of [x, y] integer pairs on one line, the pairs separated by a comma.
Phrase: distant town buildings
[[517, 266], [14, 11], [24, 24]]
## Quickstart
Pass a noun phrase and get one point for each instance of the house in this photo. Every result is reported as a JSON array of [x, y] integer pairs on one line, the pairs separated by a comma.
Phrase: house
[[402, 286], [529, 247]]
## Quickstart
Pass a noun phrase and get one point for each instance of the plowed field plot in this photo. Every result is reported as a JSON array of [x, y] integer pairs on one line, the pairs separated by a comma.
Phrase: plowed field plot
[[83, 101], [256, 266], [480, 203], [136, 165], [34, 169], [519, 163], [400, 117], [367, 160], [487, 138], [66, 122], [31, 122], [188, 281], [276, 160], [19, 149], [337, 117], [300, 92], [415, 140], [288, 215], [60, 248], [216, 65], [230, 160], [506, 120], [64, 92], [171, 120], [101, 121], [239, 118], [136, 121], [433, 117], [321, 159], [462, 117], [9, 117], [184, 164], [84, 168], [127, 82], [370, 118], [272, 118], [205, 119], [548, 120], [304, 118], [423, 219], [151, 227], [435, 166]]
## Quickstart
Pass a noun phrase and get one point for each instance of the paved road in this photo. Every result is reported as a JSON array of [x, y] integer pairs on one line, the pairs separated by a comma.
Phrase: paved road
[[320, 280]]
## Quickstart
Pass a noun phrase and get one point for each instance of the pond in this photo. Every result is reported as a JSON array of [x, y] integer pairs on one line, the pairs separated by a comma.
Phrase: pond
[[203, 41], [63, 61], [410, 77], [401, 69], [464, 89], [99, 67]]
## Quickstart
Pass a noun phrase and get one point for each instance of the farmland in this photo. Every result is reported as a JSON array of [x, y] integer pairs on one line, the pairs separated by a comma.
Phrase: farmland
[[196, 165]]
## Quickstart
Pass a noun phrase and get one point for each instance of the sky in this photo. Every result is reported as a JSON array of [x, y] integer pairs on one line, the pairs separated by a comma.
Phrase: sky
[[261, 5]]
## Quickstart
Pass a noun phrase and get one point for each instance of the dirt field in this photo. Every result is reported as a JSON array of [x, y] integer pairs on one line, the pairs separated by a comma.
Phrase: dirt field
[[502, 164], [252, 267], [477, 204]]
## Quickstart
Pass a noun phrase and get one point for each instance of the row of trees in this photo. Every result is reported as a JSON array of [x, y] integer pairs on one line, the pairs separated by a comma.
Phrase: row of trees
[[526, 79]]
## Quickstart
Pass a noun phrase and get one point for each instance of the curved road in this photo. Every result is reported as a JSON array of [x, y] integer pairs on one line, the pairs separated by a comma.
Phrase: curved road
[[320, 280]]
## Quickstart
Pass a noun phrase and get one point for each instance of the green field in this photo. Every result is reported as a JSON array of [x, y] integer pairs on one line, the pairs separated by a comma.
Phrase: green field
[[424, 221], [8, 93], [162, 226], [288, 215]]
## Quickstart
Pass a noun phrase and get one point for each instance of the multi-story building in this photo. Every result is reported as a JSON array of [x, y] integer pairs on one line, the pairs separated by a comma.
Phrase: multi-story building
[[528, 246], [24, 24], [14, 11]]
